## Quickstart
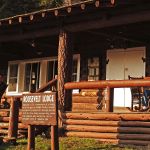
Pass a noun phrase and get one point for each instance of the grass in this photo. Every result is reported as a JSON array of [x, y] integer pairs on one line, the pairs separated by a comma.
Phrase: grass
[[70, 143]]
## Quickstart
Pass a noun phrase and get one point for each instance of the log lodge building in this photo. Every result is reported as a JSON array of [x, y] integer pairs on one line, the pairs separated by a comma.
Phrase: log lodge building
[[96, 43]]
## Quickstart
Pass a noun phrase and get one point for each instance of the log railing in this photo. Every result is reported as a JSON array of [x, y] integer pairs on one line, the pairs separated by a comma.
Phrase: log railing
[[109, 85], [49, 84]]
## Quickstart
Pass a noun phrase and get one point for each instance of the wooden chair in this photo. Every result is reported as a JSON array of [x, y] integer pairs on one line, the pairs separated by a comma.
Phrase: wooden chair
[[136, 93]]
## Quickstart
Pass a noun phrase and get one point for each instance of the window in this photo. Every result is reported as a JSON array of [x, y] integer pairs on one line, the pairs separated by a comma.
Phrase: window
[[31, 82], [28, 75], [74, 70], [12, 78], [93, 69], [51, 69]]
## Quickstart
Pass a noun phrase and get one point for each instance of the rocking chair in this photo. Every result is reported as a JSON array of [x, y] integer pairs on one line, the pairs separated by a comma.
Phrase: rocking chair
[[136, 94]]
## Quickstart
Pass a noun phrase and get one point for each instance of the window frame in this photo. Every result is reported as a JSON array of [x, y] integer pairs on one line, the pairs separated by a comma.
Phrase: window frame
[[8, 77], [42, 78]]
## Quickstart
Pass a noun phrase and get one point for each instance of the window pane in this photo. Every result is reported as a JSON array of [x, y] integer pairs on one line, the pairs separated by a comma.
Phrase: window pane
[[13, 72], [27, 77], [32, 71], [51, 70], [74, 70], [93, 68]]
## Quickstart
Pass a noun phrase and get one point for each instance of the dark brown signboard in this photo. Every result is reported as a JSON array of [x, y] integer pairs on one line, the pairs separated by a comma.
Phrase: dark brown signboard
[[39, 109]]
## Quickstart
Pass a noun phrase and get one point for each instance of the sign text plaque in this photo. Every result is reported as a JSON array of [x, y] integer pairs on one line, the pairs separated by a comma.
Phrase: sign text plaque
[[39, 109]]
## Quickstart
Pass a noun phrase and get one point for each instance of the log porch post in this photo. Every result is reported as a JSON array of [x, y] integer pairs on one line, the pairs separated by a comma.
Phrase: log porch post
[[109, 99], [14, 117], [64, 70]]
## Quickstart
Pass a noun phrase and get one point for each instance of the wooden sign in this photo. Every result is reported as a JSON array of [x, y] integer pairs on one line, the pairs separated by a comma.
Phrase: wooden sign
[[39, 109]]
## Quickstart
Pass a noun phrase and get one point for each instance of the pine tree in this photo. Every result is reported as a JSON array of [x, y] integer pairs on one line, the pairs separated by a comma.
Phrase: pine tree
[[15, 7]]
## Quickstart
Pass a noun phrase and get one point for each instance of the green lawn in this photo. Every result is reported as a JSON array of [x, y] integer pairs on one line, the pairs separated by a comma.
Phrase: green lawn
[[73, 143]]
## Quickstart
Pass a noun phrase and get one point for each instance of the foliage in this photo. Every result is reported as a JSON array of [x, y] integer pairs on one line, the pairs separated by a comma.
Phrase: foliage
[[72, 143], [14, 7], [51, 3]]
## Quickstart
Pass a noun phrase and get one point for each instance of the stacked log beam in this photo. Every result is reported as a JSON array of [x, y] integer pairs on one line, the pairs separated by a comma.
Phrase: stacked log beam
[[120, 128], [109, 116], [4, 124], [4, 121], [88, 100], [22, 128], [106, 123]]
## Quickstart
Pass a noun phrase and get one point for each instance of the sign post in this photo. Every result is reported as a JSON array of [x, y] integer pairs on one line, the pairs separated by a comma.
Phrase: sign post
[[41, 109]]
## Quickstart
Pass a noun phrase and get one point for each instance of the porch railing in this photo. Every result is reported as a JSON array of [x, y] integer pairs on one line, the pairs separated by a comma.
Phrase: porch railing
[[109, 85], [49, 84]]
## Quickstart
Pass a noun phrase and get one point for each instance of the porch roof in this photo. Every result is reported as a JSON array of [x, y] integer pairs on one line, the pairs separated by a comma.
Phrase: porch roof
[[58, 11], [96, 23], [69, 9], [77, 17]]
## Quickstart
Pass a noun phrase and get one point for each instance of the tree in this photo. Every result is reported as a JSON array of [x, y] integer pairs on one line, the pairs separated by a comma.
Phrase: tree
[[14, 7], [51, 3]]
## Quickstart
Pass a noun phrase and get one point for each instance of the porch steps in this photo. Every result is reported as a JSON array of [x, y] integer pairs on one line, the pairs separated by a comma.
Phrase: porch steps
[[118, 128]]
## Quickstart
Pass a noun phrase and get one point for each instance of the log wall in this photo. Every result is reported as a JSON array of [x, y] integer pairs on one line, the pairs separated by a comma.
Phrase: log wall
[[4, 122], [120, 128], [88, 100]]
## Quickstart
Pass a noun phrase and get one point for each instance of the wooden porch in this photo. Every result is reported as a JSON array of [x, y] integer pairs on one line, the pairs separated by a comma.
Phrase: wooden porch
[[118, 128], [86, 118], [83, 115]]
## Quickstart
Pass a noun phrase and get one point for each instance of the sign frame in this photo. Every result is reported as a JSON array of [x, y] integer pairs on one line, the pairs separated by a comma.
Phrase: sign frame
[[39, 109], [53, 124]]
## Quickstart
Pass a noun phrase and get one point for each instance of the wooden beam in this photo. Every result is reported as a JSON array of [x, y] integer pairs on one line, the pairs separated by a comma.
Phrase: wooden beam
[[144, 137], [31, 17], [10, 21], [56, 12], [109, 99], [107, 129], [108, 116], [97, 3], [54, 138], [82, 6], [13, 120], [43, 15], [20, 19], [31, 137], [106, 123], [29, 35], [130, 2], [113, 21], [64, 70], [107, 83], [124, 19], [69, 9]]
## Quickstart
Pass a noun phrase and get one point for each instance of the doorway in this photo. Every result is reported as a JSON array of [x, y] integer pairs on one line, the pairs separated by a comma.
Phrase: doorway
[[121, 63]]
